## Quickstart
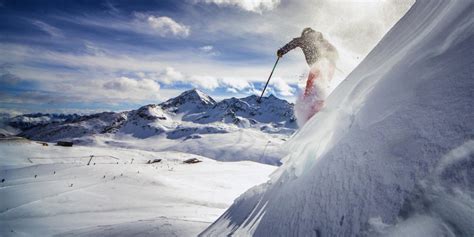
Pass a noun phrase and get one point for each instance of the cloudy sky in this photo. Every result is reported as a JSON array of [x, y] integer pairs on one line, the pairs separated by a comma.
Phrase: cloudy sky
[[87, 56]]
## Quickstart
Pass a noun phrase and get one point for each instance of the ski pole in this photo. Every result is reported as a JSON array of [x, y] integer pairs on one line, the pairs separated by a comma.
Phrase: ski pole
[[274, 66]]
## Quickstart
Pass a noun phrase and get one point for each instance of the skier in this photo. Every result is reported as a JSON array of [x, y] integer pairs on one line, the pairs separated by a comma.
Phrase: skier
[[321, 57]]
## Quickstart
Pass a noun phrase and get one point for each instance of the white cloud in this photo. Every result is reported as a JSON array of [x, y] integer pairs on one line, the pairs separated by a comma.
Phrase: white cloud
[[144, 88], [235, 84], [282, 87], [163, 68], [232, 90], [204, 82], [248, 5], [164, 26], [51, 30], [169, 75], [93, 49], [209, 50], [12, 112], [98, 74], [107, 91]]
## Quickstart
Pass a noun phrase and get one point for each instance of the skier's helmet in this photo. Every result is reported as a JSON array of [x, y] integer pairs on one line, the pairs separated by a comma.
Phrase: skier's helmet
[[306, 31]]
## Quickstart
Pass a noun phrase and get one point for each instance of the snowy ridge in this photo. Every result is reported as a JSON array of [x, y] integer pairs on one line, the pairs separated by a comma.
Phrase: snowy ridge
[[147, 121], [5, 129], [28, 121], [80, 127], [247, 111], [390, 154]]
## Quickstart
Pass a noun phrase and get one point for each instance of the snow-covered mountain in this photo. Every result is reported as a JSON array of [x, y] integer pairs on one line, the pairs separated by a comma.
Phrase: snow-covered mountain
[[190, 122], [392, 152], [80, 126], [247, 112], [12, 125], [189, 102], [27, 121], [190, 113]]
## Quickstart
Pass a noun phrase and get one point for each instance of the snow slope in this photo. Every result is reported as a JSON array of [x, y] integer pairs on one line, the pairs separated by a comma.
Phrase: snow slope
[[114, 196], [392, 153], [234, 145]]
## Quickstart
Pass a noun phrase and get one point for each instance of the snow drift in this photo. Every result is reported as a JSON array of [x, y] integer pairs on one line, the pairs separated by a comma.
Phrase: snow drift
[[391, 154]]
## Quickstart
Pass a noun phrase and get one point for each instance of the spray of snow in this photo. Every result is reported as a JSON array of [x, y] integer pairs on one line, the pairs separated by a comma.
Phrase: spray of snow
[[307, 105]]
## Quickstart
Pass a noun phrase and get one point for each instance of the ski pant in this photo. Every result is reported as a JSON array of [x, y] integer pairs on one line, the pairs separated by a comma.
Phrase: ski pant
[[316, 91]]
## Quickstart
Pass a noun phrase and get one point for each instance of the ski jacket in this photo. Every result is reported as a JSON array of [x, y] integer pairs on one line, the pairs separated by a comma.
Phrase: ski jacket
[[314, 47]]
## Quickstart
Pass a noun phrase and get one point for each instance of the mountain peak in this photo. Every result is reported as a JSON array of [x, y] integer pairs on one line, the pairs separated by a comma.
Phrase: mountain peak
[[198, 94], [189, 100]]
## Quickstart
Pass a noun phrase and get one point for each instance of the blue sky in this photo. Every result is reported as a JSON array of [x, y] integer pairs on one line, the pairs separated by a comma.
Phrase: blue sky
[[88, 56]]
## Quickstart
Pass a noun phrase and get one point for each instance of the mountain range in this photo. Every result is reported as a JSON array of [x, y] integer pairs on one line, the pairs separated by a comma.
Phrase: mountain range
[[186, 116]]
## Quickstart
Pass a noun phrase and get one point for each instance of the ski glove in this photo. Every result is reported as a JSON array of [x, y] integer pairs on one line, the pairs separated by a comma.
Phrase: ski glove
[[280, 53]]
